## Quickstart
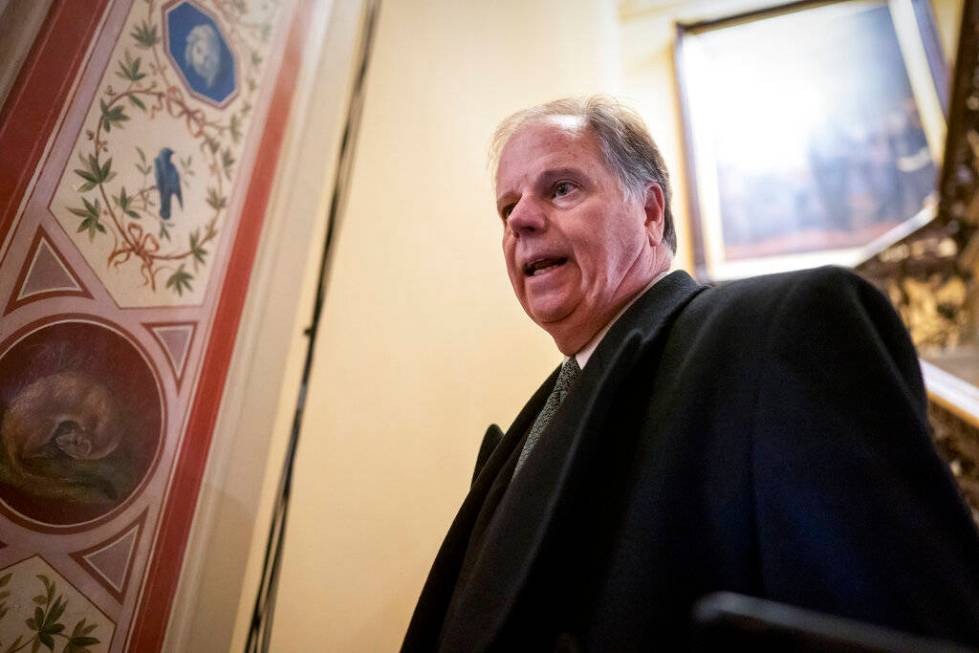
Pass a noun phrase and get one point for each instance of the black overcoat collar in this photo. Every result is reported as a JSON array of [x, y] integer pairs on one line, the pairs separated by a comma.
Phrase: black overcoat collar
[[536, 497]]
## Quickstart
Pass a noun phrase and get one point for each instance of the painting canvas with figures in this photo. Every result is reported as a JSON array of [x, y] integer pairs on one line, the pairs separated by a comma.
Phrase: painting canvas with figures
[[834, 149]]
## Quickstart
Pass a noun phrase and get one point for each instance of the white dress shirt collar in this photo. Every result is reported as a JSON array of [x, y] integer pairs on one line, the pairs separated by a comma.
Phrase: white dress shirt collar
[[585, 352]]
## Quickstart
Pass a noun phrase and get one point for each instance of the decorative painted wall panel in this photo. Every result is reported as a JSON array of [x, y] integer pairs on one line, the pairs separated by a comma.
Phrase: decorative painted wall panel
[[130, 212]]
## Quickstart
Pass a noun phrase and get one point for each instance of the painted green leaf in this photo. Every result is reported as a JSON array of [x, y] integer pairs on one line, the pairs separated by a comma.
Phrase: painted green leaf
[[5, 579], [124, 201], [145, 35], [90, 181], [136, 101], [186, 164], [112, 116], [55, 613], [106, 172], [94, 210], [15, 645], [129, 68], [227, 161], [92, 174], [180, 281], [215, 200], [196, 249], [86, 175], [39, 599], [95, 170], [235, 128], [85, 641], [47, 640], [92, 225], [38, 618]]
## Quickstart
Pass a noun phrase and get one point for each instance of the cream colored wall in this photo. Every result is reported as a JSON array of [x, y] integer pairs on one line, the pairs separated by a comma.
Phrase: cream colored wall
[[422, 345]]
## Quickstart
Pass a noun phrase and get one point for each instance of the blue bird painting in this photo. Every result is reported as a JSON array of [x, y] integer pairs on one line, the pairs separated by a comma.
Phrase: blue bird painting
[[167, 181]]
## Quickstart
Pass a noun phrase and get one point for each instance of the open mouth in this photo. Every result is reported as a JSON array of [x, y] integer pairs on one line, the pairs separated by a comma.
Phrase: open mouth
[[541, 265]]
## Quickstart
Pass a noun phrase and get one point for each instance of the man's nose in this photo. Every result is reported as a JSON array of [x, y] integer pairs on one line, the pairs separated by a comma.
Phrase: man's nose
[[528, 216]]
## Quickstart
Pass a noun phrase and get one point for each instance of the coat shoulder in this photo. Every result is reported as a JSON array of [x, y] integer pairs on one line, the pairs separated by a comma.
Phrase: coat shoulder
[[813, 291], [826, 279]]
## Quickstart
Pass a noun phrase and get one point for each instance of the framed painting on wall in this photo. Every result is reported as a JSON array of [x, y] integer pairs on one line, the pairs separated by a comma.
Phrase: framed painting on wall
[[813, 132]]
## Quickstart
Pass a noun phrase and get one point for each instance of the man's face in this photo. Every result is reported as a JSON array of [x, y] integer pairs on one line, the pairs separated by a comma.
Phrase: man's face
[[576, 248]]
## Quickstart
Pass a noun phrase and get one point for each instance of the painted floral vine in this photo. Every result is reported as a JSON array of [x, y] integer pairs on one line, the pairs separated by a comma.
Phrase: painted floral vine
[[137, 218]]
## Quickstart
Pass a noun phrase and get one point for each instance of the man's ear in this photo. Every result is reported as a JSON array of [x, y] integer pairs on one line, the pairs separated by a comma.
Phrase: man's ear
[[655, 209]]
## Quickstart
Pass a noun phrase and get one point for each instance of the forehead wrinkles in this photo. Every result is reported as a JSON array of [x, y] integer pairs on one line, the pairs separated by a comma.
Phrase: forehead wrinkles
[[541, 144]]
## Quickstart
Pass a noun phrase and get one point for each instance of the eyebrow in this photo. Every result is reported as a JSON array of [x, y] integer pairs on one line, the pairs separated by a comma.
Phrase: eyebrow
[[567, 171]]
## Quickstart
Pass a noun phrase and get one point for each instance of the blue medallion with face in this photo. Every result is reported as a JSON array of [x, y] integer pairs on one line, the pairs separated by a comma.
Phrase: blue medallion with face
[[200, 52]]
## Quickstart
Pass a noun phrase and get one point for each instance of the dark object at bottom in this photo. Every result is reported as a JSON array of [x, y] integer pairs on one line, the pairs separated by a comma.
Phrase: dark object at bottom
[[726, 621]]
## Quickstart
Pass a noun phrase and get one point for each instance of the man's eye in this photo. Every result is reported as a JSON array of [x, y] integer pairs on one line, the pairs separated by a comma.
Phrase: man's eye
[[506, 211], [563, 188]]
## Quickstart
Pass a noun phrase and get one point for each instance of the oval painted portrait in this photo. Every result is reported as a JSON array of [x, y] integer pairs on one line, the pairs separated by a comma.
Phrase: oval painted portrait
[[81, 422]]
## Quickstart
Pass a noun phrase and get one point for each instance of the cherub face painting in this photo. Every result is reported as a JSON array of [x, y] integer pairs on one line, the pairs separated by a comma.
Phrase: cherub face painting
[[203, 53]]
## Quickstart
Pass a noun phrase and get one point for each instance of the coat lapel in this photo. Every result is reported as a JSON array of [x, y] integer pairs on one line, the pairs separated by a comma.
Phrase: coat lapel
[[427, 620], [547, 483]]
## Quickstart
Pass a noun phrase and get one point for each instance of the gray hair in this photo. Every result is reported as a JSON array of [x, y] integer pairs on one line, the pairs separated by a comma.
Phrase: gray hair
[[628, 149]]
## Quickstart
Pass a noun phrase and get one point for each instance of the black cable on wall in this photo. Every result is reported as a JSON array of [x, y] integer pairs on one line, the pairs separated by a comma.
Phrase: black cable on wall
[[260, 628]]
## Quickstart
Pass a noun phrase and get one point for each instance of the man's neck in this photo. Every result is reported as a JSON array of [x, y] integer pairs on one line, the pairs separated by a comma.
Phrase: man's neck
[[583, 354]]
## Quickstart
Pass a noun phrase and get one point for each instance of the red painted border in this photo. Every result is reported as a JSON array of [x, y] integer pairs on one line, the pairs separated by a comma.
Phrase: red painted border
[[160, 585], [31, 110]]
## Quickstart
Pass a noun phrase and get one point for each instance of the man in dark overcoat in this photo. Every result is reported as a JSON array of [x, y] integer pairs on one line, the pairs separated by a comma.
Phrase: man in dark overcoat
[[767, 437]]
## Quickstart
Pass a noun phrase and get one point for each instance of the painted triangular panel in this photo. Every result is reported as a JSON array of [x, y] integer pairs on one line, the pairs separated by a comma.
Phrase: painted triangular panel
[[46, 273], [111, 562], [175, 338]]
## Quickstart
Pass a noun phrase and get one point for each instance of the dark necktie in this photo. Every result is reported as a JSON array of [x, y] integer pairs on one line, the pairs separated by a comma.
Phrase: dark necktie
[[565, 378]]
